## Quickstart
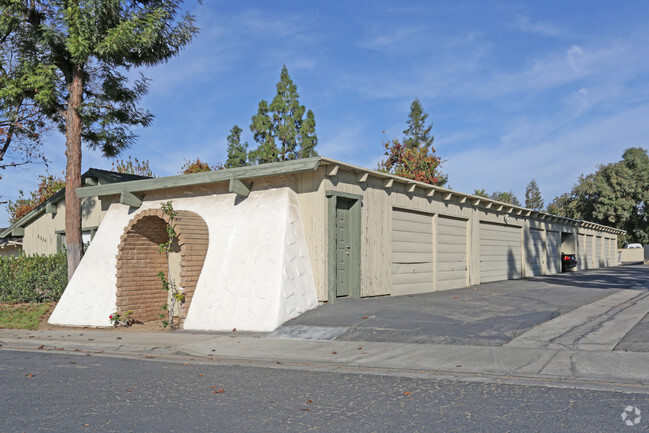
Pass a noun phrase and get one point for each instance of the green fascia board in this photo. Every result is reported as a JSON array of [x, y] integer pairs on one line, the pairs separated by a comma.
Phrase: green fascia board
[[208, 177]]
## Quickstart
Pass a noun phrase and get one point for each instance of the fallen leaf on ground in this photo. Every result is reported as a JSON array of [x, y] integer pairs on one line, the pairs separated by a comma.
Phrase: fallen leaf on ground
[[199, 375], [456, 297], [218, 391], [309, 402], [305, 408], [360, 348], [234, 329], [334, 353], [364, 317], [30, 375], [41, 346], [407, 393]]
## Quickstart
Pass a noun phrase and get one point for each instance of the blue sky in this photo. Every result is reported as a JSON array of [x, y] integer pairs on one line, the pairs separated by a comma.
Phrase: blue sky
[[515, 90]]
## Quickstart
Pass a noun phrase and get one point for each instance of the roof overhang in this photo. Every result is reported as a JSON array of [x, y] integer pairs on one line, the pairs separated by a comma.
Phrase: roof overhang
[[236, 176], [131, 192]]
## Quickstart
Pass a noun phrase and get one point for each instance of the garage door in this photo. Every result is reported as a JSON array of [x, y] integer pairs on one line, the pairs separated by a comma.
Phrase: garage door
[[590, 263], [611, 246], [554, 252], [535, 252], [581, 252], [451, 253], [500, 252], [412, 252], [599, 260]]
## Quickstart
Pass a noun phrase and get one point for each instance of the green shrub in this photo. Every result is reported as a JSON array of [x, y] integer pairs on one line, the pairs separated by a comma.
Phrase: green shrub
[[33, 278]]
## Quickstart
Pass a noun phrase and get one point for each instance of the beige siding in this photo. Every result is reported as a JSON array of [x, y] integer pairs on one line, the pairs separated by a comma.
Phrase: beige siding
[[412, 252], [377, 266], [451, 253], [41, 234], [313, 209]]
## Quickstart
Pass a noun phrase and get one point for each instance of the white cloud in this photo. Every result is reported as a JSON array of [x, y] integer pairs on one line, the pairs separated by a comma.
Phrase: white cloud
[[555, 159], [380, 38], [523, 23]]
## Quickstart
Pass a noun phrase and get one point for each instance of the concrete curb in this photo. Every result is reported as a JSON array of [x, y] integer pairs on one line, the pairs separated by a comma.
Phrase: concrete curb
[[567, 367]]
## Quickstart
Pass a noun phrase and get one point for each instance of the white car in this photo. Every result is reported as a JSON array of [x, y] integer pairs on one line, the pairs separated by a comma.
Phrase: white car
[[634, 246]]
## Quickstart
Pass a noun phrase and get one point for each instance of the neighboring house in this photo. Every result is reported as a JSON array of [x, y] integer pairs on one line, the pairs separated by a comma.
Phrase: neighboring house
[[259, 245], [42, 231], [10, 246]]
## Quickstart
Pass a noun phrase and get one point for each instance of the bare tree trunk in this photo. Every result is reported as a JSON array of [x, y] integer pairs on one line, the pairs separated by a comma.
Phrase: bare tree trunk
[[73, 239]]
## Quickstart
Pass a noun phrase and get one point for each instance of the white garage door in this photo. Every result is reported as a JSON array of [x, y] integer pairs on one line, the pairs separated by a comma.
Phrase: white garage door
[[590, 259], [554, 252], [599, 258], [412, 252], [535, 252], [451, 253], [500, 252], [581, 252], [612, 250]]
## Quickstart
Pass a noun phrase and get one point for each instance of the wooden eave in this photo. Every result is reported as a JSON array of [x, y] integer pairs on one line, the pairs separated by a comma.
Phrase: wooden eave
[[137, 187], [388, 180]]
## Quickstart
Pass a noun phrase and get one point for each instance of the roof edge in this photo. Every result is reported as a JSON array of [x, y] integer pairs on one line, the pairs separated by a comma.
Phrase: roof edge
[[203, 178]]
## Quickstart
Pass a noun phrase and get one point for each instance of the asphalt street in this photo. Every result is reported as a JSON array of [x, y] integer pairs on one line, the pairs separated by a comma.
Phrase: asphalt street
[[53, 392]]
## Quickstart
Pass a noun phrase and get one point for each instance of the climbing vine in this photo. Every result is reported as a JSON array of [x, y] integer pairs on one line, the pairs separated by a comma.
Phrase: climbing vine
[[176, 297]]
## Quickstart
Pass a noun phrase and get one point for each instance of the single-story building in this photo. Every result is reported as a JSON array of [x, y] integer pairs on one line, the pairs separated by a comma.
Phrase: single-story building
[[11, 245], [259, 245], [42, 231]]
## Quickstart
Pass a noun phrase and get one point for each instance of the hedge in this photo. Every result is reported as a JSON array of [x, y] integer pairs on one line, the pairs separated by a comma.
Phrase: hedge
[[33, 278]]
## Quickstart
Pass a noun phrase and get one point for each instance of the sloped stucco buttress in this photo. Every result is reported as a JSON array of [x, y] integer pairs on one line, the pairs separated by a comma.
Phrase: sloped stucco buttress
[[257, 272], [258, 265]]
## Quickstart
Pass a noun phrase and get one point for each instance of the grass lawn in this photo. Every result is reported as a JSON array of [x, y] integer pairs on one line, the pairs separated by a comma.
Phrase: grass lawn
[[22, 316]]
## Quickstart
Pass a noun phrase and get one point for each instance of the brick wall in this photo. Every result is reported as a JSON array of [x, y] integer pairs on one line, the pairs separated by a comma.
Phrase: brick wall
[[138, 261]]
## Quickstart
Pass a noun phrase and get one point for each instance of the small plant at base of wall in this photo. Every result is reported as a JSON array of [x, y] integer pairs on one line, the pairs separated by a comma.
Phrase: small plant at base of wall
[[124, 319]]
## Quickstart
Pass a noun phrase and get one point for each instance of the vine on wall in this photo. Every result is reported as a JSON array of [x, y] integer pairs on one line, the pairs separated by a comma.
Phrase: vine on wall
[[177, 297]]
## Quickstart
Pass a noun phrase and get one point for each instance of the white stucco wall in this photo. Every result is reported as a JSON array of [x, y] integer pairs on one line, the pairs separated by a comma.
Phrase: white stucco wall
[[257, 272]]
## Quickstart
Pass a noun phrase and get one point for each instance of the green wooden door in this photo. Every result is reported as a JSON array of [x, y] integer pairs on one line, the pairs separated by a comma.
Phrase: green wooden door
[[343, 246]]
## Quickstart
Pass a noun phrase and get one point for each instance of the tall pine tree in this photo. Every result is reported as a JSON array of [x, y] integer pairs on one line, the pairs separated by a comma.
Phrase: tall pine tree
[[414, 157], [73, 55], [280, 128], [533, 199], [237, 152], [417, 135]]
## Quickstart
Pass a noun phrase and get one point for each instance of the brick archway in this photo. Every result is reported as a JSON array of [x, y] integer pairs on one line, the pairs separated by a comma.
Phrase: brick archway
[[139, 261]]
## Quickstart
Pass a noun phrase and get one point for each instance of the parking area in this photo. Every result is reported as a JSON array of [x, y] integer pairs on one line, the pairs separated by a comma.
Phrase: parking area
[[491, 314]]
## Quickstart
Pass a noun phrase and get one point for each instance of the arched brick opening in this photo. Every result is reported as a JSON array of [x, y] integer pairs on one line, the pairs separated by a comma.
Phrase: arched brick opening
[[139, 261]]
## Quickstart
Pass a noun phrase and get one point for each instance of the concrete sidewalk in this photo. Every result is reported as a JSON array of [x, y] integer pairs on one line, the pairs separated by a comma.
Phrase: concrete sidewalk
[[562, 330], [569, 367]]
